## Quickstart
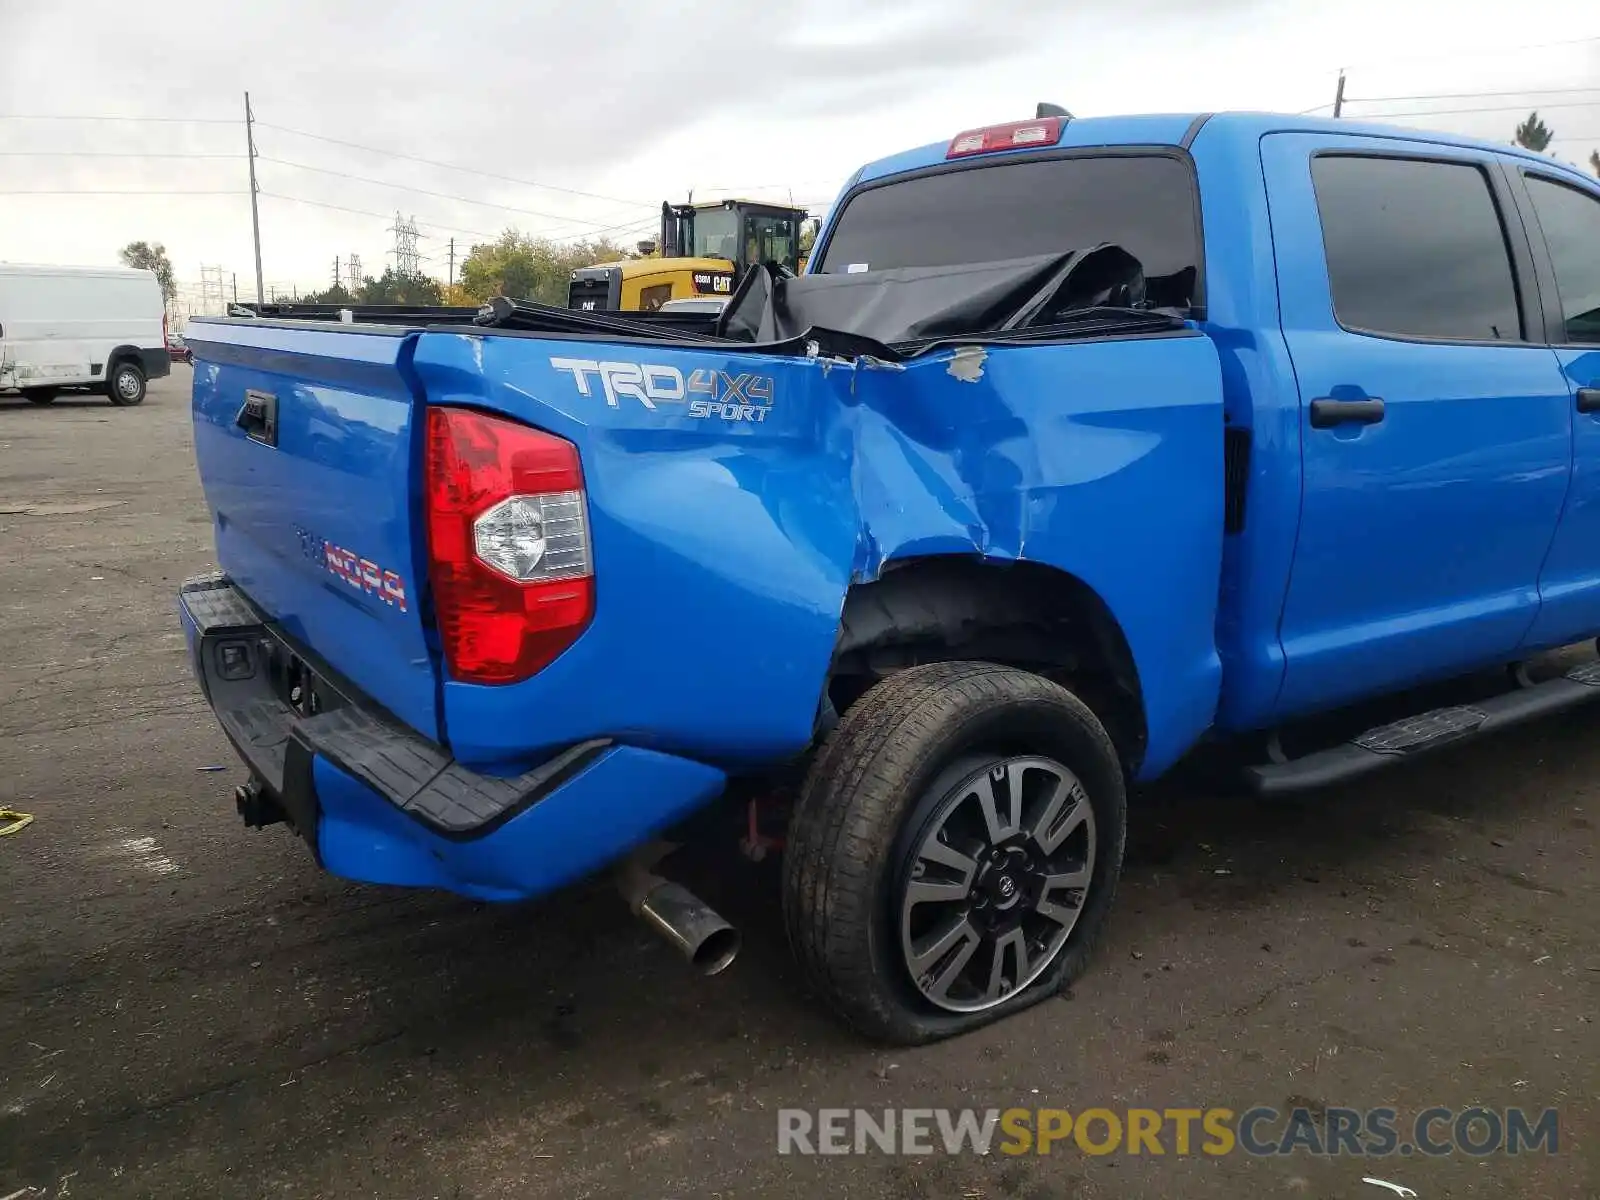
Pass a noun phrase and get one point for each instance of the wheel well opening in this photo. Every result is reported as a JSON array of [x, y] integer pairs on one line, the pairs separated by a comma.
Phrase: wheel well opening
[[1026, 615]]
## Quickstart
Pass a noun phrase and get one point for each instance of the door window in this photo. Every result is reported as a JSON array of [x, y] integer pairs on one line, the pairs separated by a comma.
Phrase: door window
[[1415, 248], [1570, 220], [770, 239]]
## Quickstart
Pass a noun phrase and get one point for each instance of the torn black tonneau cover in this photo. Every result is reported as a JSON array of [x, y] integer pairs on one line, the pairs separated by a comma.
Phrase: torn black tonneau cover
[[890, 315], [910, 309]]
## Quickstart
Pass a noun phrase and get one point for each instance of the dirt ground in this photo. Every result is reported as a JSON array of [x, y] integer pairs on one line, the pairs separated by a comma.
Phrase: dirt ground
[[190, 1009]]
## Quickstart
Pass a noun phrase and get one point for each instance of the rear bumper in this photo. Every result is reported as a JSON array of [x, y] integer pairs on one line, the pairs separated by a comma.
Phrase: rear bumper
[[379, 802]]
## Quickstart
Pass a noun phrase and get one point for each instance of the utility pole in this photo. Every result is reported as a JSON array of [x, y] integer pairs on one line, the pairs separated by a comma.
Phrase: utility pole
[[1338, 96], [236, 287], [336, 270], [255, 212], [452, 262]]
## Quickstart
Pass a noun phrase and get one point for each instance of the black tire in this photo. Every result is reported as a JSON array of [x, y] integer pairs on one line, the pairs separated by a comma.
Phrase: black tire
[[871, 792], [40, 395], [125, 386]]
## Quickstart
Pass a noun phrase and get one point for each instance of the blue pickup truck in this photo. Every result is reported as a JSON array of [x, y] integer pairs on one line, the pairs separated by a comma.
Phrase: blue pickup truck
[[1080, 444]]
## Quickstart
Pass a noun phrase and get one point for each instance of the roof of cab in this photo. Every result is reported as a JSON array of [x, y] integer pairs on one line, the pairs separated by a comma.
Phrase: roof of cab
[[1175, 129]]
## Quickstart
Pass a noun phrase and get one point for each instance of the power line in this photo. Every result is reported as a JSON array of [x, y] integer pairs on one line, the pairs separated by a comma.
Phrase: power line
[[1471, 95], [451, 166], [405, 187], [117, 192], [1458, 112], [1458, 54], [103, 154], [625, 227], [367, 212], [479, 233], [153, 120]]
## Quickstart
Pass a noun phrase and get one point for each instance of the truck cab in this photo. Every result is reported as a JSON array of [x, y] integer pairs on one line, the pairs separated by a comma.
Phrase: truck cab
[[1080, 445]]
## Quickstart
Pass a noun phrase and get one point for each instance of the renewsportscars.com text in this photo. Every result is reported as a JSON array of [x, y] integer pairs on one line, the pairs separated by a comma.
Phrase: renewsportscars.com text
[[1260, 1131]]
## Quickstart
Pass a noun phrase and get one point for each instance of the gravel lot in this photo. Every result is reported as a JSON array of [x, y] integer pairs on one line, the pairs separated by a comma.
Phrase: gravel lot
[[190, 1009]]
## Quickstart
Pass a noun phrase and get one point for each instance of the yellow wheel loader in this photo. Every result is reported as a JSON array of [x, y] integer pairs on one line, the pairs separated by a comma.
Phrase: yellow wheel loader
[[704, 250]]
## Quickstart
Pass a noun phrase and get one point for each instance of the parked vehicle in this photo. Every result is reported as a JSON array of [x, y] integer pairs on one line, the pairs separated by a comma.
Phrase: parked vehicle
[[1061, 460], [99, 329], [177, 351]]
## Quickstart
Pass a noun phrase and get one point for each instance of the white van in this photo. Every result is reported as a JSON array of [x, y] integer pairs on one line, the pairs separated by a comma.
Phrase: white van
[[96, 328]]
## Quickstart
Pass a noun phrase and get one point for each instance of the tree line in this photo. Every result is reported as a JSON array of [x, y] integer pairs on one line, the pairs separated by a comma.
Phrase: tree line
[[514, 264]]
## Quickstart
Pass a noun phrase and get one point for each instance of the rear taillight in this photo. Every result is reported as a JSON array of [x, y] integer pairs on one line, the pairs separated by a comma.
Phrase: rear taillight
[[1043, 131], [508, 545]]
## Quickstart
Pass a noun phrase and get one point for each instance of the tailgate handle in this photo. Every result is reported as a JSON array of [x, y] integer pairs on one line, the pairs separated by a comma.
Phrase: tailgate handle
[[258, 417]]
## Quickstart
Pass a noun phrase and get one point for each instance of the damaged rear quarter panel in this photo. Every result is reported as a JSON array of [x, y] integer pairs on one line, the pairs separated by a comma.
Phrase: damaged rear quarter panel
[[724, 549], [1100, 458]]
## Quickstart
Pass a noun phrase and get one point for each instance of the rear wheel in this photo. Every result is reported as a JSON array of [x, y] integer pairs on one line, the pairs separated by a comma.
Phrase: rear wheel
[[126, 385], [955, 850], [39, 395]]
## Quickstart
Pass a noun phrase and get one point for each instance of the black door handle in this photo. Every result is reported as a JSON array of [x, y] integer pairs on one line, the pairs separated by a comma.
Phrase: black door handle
[[1589, 399], [1326, 413]]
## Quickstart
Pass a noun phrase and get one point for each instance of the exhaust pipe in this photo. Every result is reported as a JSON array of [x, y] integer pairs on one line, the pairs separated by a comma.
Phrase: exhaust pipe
[[687, 922]]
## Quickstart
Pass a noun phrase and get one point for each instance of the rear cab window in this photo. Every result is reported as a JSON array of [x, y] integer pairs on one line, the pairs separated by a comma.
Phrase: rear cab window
[[1416, 248], [1013, 208]]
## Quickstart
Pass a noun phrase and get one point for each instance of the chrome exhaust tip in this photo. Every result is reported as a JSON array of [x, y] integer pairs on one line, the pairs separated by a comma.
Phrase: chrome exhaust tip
[[690, 925]]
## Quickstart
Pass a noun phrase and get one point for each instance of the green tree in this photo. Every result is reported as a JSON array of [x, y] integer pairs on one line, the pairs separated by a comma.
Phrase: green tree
[[394, 288], [529, 268], [147, 257], [337, 294], [1533, 134], [1594, 161]]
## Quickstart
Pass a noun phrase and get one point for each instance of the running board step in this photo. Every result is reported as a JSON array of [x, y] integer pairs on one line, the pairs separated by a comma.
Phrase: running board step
[[1408, 738]]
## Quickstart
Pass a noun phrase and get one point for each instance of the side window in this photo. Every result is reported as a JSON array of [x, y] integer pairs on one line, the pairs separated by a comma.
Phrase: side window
[[652, 298], [1415, 248], [1570, 220]]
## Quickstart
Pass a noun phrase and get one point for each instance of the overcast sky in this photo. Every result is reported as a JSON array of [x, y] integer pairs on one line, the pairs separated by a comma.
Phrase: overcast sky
[[626, 104]]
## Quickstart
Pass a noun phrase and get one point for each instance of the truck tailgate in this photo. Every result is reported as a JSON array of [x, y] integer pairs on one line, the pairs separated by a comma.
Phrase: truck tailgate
[[308, 444]]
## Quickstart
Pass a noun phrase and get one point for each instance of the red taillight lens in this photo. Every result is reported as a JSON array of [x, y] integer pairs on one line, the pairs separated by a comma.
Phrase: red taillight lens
[[508, 545], [1045, 131]]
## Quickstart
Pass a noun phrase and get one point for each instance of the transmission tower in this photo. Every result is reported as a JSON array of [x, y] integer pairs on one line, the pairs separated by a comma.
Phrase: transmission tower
[[356, 280], [407, 261], [213, 292]]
